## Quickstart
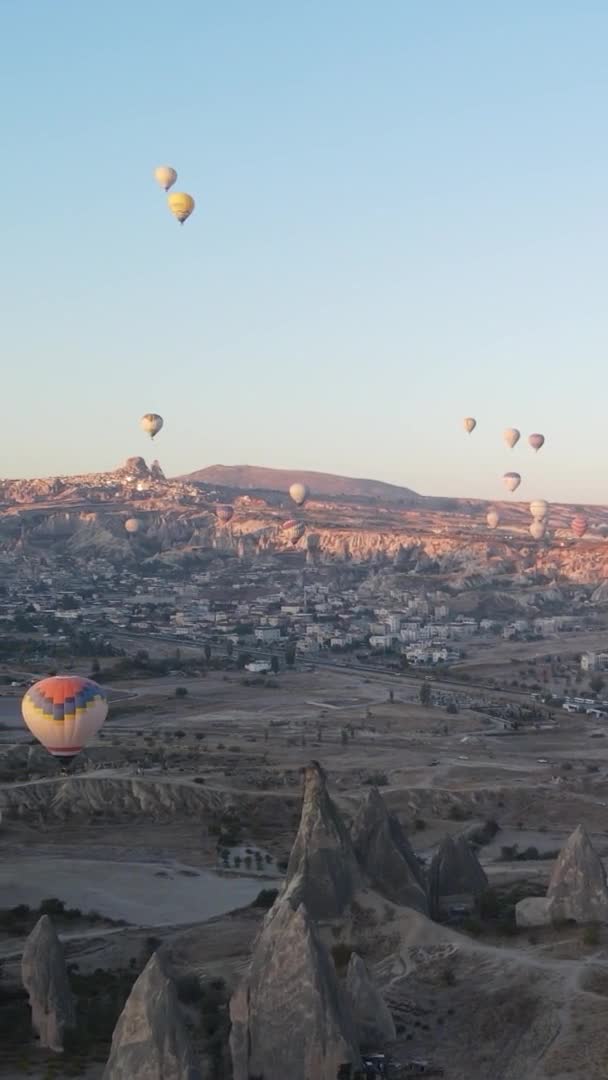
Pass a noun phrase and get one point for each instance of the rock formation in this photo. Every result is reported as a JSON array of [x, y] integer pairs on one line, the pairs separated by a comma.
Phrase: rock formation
[[577, 889], [455, 874], [322, 873], [150, 1041], [385, 855], [373, 1021], [290, 1017], [45, 978], [532, 911]]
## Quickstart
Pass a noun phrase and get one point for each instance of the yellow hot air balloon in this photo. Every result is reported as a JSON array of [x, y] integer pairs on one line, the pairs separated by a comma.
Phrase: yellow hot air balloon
[[538, 529], [64, 712], [539, 509], [165, 176], [299, 493], [181, 205], [469, 424], [492, 518]]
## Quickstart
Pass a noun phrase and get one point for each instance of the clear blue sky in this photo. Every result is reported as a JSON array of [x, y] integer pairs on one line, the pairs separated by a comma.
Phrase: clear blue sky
[[401, 220]]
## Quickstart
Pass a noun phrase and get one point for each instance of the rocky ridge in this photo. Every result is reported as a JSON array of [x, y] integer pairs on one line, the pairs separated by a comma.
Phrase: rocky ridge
[[385, 854], [455, 872]]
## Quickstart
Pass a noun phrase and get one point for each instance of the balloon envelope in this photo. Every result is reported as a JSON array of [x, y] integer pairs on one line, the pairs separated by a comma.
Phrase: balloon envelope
[[165, 176], [579, 525], [469, 424], [294, 529], [181, 205], [151, 423], [512, 480], [538, 529], [511, 436], [64, 712], [299, 493], [492, 519], [224, 513], [132, 525], [536, 440], [539, 509]]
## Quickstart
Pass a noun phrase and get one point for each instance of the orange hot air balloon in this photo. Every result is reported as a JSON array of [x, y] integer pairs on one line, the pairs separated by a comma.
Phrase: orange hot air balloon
[[469, 424], [511, 436], [64, 712], [224, 513], [579, 525]]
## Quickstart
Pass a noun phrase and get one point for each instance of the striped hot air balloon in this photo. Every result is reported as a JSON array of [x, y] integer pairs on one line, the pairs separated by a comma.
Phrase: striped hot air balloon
[[579, 525], [64, 712], [294, 529]]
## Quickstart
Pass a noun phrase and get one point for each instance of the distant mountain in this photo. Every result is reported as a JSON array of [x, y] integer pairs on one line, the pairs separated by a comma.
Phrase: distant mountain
[[322, 485]]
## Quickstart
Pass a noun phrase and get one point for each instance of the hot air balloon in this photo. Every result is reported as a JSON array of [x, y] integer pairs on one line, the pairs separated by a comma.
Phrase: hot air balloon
[[151, 423], [165, 176], [579, 525], [469, 424], [539, 509], [538, 529], [132, 525], [223, 513], [181, 205], [492, 518], [512, 480], [511, 436], [299, 493], [536, 440], [64, 712], [294, 529]]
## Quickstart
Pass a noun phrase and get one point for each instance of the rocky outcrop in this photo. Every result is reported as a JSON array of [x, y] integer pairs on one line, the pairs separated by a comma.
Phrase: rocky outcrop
[[150, 1040], [373, 1021], [385, 855], [45, 978], [532, 911], [455, 874], [290, 1017], [322, 872], [577, 889]]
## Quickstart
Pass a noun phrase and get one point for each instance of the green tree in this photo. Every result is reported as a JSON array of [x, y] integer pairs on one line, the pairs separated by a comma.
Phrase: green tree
[[425, 694], [597, 683], [274, 663], [290, 654], [207, 652]]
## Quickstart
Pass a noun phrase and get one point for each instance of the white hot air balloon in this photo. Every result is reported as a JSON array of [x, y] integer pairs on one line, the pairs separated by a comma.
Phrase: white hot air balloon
[[151, 423], [512, 480], [165, 176], [469, 424], [511, 436], [299, 493], [539, 509], [538, 529], [492, 518]]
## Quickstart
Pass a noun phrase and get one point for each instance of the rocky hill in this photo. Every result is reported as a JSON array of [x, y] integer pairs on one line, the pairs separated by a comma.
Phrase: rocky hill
[[324, 485]]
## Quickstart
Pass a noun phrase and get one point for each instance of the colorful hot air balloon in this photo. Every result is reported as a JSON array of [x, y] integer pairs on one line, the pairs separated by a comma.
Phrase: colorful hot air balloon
[[64, 712], [538, 529], [511, 436], [579, 525], [181, 205], [295, 529], [469, 424], [512, 480], [299, 493], [223, 513], [539, 509], [165, 176], [492, 518], [536, 440], [151, 423], [132, 525]]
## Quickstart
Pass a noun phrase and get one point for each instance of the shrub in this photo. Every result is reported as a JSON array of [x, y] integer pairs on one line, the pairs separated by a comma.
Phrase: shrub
[[189, 989], [181, 691], [341, 954], [265, 898], [377, 779], [52, 906], [591, 935]]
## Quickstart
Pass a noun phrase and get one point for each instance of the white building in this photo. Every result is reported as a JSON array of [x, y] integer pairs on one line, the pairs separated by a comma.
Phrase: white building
[[258, 667], [266, 634]]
